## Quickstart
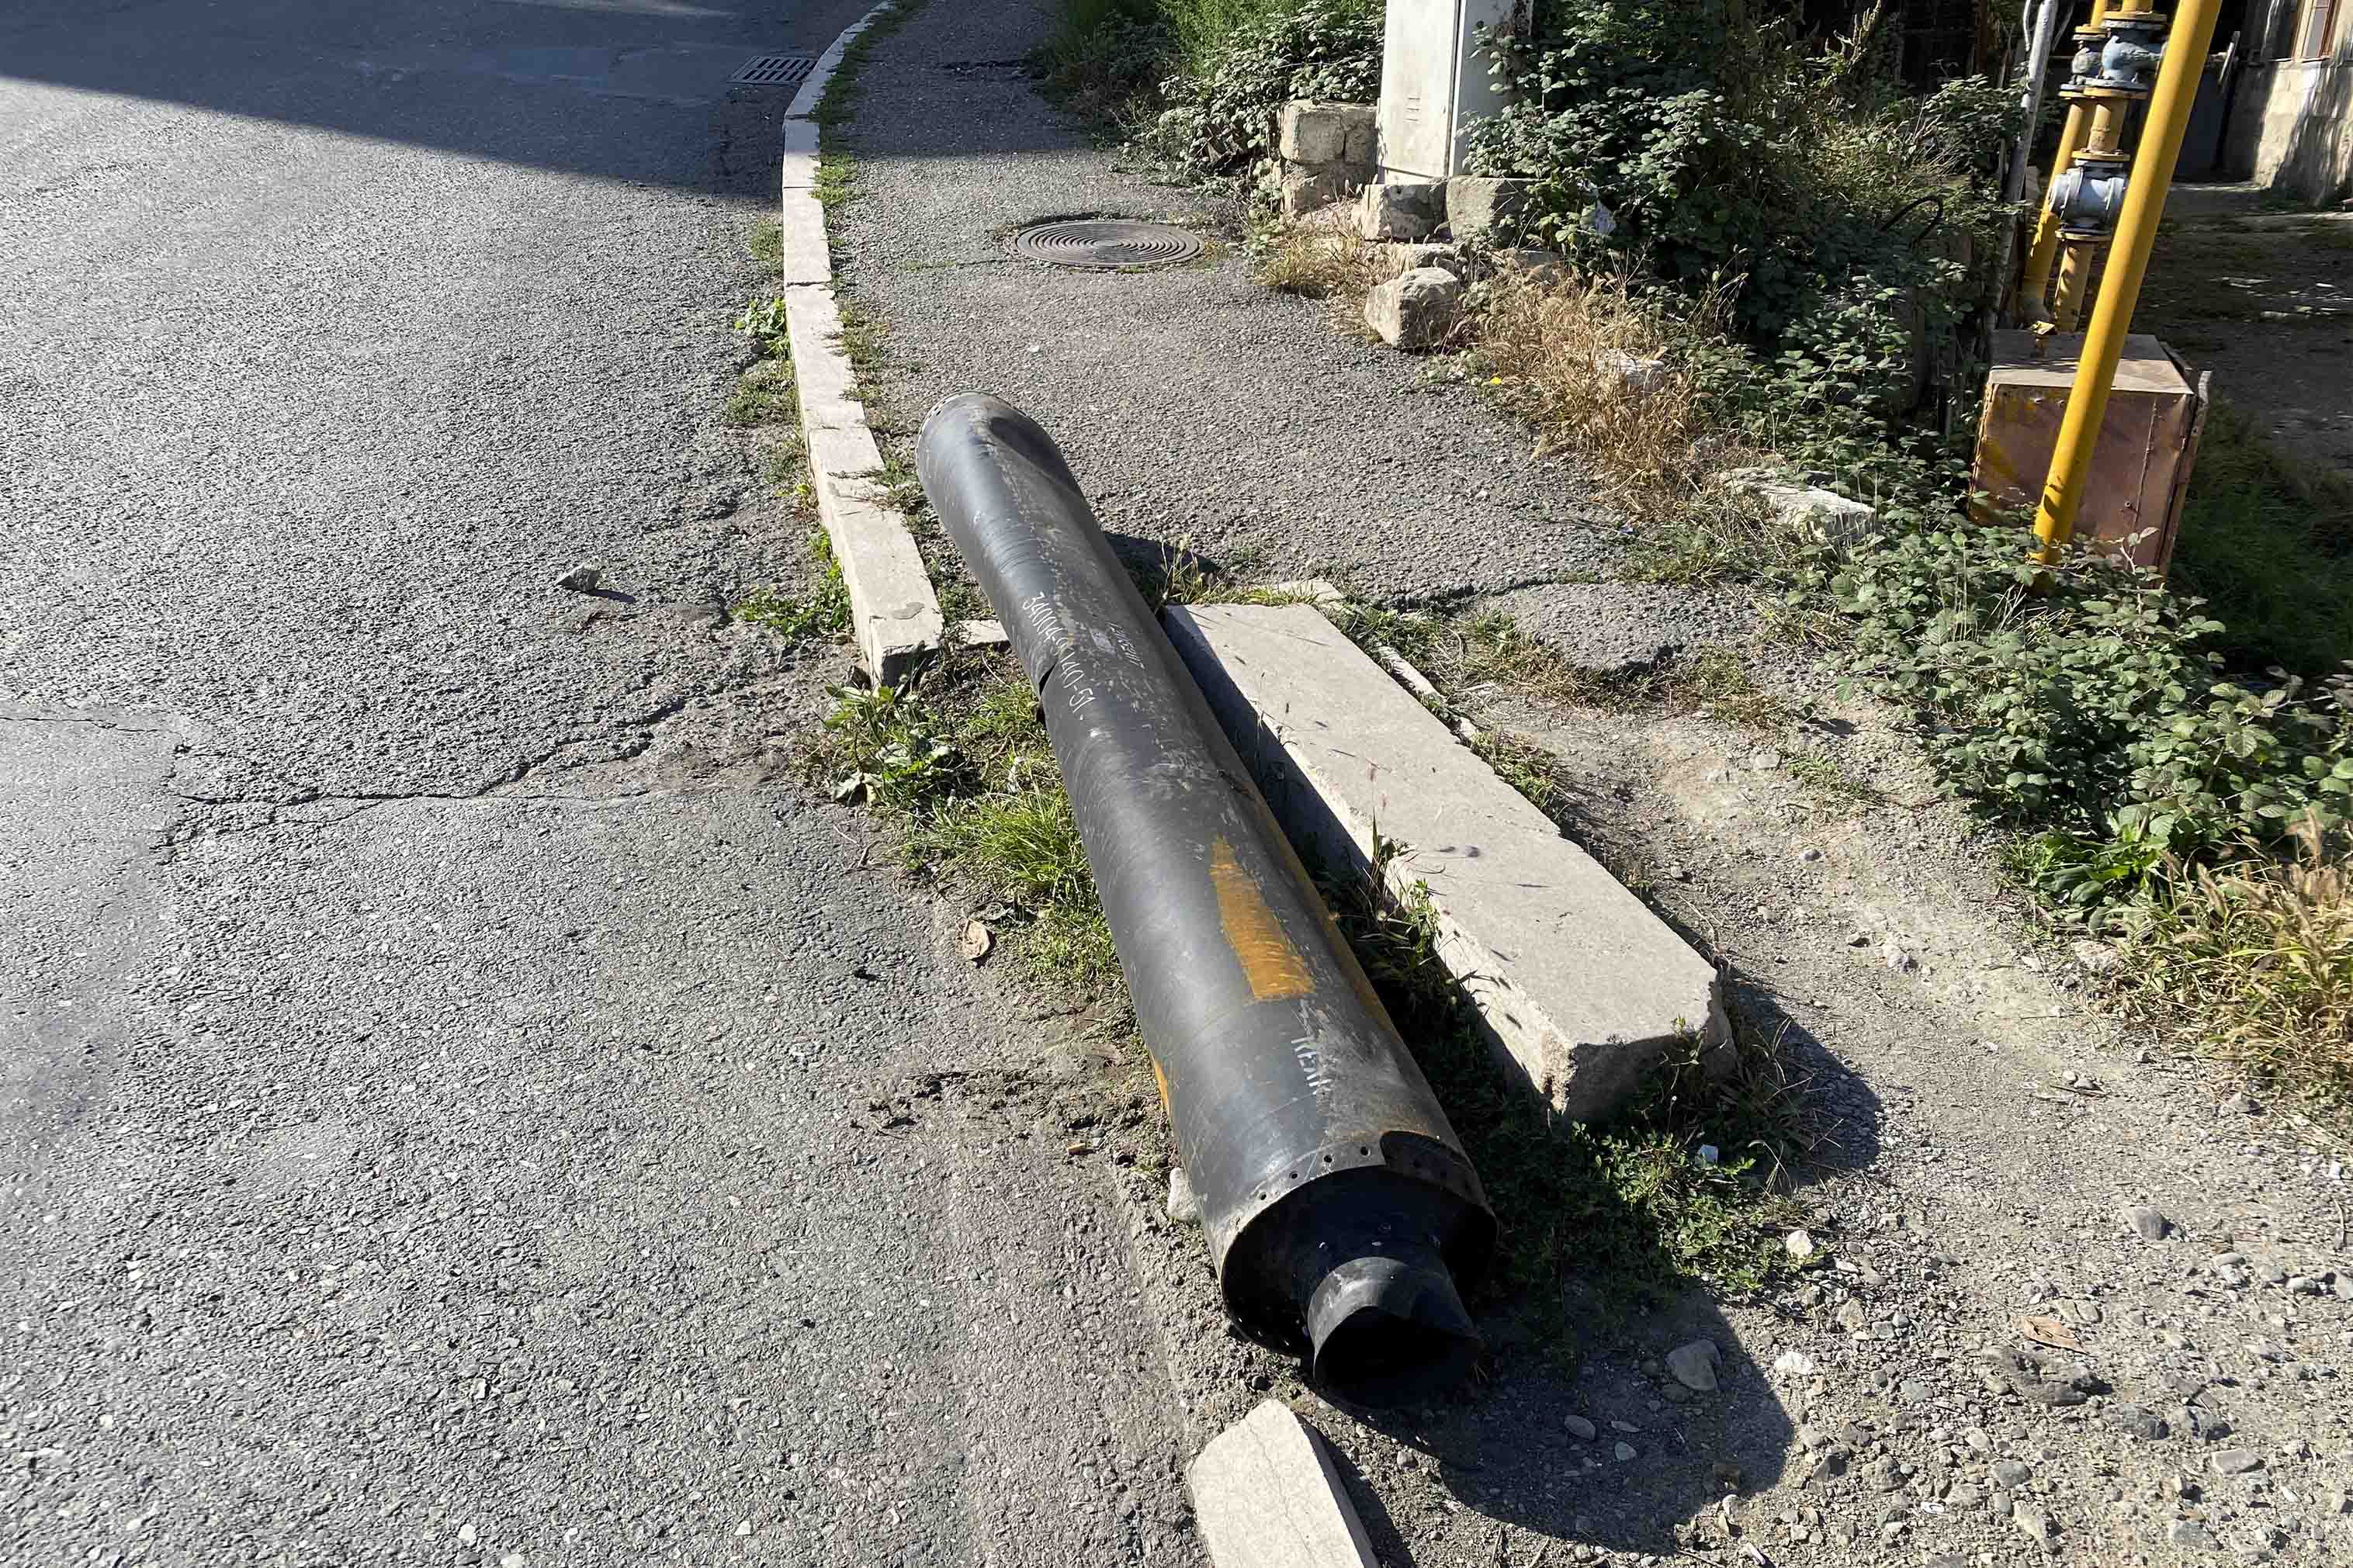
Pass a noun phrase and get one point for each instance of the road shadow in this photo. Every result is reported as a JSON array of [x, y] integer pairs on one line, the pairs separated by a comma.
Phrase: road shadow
[[631, 91]]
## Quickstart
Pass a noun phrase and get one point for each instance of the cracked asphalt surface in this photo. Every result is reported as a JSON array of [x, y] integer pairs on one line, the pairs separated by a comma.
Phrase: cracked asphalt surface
[[462, 1097]]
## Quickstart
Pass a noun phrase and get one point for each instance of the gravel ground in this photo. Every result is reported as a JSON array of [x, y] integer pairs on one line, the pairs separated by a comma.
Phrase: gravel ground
[[2068, 1296]]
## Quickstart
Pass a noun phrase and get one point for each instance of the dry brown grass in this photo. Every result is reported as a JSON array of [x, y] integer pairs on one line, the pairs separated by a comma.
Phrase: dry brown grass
[[1320, 261], [1551, 344], [2255, 964]]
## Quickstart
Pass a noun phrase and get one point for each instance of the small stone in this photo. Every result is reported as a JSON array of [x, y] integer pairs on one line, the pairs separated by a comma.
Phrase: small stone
[[744, 1527], [1799, 1243], [2138, 1422], [2190, 1535], [2235, 1461], [1892, 953], [468, 1533], [2241, 1105], [1858, 938], [1977, 1441], [1911, 1391], [2012, 1473], [1813, 1438], [1624, 1451], [1794, 1363], [582, 579], [1579, 1428], [1414, 311], [1852, 1318], [514, 1560], [1184, 1207], [2303, 1284], [2148, 1223], [1694, 1365]]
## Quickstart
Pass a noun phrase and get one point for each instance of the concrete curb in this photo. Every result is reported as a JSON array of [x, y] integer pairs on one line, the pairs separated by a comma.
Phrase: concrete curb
[[893, 613], [1577, 984]]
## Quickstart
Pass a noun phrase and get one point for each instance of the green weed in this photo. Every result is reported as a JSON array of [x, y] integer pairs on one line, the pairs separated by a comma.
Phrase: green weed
[[823, 612]]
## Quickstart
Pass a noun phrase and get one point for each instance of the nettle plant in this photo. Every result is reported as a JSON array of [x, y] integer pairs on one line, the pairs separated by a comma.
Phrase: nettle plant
[[2086, 701]]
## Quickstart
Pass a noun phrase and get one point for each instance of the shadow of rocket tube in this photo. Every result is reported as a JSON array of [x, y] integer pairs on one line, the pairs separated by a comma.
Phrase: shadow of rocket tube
[[1339, 1206]]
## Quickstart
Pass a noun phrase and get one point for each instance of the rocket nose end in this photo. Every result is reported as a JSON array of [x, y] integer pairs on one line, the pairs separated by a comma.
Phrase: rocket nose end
[[1390, 1329]]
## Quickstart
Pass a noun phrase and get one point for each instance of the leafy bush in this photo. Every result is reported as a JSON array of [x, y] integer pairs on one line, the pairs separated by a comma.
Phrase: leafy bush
[[1221, 114], [1841, 228], [2088, 703]]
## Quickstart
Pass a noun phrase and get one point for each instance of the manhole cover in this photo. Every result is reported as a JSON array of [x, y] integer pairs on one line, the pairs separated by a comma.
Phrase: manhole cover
[[775, 71], [1108, 242]]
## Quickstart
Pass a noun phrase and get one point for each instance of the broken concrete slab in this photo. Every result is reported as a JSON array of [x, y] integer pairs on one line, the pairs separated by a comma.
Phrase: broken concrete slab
[[1308, 131], [1481, 207], [1578, 986], [1267, 1495], [1823, 516], [1402, 209], [1611, 628], [1415, 309]]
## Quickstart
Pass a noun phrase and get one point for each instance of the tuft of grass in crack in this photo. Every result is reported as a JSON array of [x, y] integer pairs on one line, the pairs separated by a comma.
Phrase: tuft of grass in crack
[[967, 780], [1632, 1211], [766, 244], [823, 612], [763, 391]]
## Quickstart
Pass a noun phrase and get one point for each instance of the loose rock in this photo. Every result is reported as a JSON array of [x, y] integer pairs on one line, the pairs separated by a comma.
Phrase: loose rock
[[1579, 1428], [1183, 1206], [1694, 1365], [1414, 311], [582, 579], [2149, 1222]]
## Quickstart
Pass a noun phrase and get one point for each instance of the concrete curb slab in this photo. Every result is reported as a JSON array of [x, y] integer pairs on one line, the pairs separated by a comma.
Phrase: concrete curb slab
[[1267, 1495], [894, 614], [1577, 984]]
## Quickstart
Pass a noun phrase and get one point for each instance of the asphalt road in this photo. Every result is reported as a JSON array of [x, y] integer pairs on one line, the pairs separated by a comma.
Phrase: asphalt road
[[454, 1078]]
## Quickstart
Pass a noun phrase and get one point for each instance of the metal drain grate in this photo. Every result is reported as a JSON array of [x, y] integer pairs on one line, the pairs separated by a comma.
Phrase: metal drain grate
[[775, 71], [1113, 244]]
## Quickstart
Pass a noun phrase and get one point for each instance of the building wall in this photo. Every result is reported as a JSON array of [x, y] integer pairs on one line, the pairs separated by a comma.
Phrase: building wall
[[2292, 127]]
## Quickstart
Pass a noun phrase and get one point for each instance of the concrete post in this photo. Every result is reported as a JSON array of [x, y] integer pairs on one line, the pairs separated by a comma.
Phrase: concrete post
[[1434, 83]]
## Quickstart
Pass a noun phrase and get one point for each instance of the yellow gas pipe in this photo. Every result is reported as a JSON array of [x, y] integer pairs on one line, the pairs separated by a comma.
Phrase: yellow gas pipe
[[2144, 207], [2037, 281], [2076, 257]]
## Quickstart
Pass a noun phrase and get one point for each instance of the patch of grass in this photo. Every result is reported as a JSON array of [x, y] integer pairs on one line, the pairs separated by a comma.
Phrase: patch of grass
[[766, 244], [1825, 778], [835, 180], [823, 612], [762, 394], [971, 788], [2267, 541], [1586, 361], [2252, 959], [1330, 264]]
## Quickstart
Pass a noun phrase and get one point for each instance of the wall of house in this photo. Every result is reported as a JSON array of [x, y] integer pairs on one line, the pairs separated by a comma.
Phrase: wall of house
[[2292, 127]]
